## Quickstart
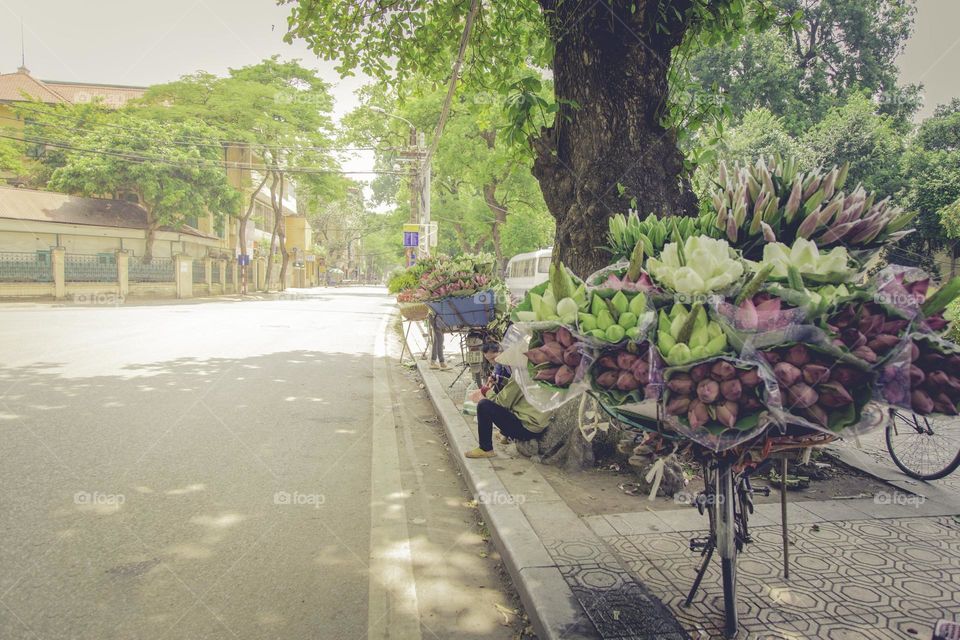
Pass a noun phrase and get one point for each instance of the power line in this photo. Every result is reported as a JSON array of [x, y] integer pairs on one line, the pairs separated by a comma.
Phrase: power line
[[225, 164], [200, 140]]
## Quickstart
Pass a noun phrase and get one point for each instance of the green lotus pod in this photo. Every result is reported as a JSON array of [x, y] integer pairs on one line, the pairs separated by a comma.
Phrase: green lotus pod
[[535, 301], [633, 333], [598, 334], [677, 325], [620, 302], [567, 308], [580, 296], [548, 304], [679, 354], [663, 322], [717, 345], [604, 320], [627, 319], [615, 333], [699, 353], [699, 337], [526, 316], [638, 304], [597, 305], [587, 322], [665, 341], [678, 309], [700, 322], [714, 330]]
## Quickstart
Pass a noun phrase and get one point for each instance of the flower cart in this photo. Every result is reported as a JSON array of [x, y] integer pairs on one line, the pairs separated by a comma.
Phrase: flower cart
[[744, 336]]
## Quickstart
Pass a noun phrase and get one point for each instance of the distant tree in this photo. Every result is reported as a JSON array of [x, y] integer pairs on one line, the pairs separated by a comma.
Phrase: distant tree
[[175, 169], [279, 109], [840, 47], [931, 168], [855, 132]]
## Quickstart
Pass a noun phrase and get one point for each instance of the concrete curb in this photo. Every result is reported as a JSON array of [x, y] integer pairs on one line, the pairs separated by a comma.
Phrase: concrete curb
[[550, 604], [893, 476]]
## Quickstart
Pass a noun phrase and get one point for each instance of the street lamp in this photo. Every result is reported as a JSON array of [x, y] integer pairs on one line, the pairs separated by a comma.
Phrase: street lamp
[[383, 111]]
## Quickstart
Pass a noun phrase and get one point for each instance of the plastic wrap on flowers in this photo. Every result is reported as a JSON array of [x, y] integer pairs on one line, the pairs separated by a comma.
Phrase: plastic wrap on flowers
[[607, 281], [622, 318], [821, 390], [559, 299], [762, 312], [687, 334], [622, 374], [720, 403], [868, 328], [547, 362], [923, 376]]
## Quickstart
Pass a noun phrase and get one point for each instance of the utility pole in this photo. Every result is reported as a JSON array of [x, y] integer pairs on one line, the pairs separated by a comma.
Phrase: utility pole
[[424, 175]]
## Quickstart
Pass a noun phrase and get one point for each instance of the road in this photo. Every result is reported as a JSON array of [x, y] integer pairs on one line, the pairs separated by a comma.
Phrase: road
[[256, 469]]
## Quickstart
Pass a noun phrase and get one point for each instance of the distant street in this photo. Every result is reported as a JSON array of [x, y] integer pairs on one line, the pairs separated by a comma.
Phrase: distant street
[[228, 470]]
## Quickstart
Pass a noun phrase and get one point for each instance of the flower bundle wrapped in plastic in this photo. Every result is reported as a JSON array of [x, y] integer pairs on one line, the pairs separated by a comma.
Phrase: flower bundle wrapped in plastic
[[772, 329]]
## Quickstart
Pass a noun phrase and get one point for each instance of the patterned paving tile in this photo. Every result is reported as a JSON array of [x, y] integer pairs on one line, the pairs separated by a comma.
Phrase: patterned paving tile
[[849, 579]]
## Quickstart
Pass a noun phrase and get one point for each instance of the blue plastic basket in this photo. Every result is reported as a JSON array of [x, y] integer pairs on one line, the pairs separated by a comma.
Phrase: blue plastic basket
[[456, 313]]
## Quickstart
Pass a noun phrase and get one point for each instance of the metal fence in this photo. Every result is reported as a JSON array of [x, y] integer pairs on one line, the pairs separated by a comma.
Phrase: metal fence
[[90, 268], [215, 272], [158, 270], [31, 266], [199, 271]]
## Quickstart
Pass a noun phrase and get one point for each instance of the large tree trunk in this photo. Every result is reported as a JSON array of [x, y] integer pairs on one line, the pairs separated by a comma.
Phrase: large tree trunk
[[613, 63], [277, 217], [243, 232], [282, 238]]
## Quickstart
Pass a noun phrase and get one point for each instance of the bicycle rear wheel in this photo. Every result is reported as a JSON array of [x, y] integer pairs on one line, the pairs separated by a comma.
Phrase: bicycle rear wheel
[[923, 447], [727, 545]]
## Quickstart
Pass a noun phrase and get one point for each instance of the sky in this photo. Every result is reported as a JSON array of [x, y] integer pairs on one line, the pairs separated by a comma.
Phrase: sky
[[144, 42]]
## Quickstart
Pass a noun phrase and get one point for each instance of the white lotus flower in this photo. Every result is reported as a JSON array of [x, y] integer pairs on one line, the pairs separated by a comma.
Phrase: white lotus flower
[[707, 267], [805, 256]]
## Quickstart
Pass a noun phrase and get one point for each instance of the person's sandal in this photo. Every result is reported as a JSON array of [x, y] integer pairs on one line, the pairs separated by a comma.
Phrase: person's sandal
[[434, 364], [480, 453], [444, 366]]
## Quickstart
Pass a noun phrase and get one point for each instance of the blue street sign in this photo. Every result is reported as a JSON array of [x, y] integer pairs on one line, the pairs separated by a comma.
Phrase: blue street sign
[[243, 259], [411, 239]]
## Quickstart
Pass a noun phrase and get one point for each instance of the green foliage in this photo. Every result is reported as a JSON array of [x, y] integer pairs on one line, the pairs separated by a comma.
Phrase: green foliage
[[401, 280], [184, 177], [11, 155], [856, 133]]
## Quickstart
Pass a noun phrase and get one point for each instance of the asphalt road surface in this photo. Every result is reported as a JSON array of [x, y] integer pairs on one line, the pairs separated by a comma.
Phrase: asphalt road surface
[[257, 469]]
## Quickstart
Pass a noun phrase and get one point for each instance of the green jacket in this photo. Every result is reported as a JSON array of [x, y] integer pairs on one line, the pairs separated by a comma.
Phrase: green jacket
[[511, 397]]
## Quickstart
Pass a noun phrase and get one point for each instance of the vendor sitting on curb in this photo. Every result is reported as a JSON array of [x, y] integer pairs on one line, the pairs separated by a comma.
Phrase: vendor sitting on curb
[[506, 409]]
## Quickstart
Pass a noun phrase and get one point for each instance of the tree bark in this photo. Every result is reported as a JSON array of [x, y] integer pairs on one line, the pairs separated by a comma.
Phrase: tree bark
[[610, 146], [499, 219], [273, 233], [243, 231], [282, 237]]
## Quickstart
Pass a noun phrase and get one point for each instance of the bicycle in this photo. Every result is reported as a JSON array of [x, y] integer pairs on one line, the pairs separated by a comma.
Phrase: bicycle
[[727, 499], [923, 448]]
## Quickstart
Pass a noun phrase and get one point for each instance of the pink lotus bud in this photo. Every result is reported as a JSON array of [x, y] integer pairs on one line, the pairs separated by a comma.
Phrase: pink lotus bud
[[681, 384], [607, 379], [546, 375], [564, 376], [727, 414], [786, 374], [536, 356], [818, 415], [798, 355], [814, 374], [564, 337], [678, 405], [865, 353], [626, 382], [749, 377], [731, 389], [921, 402], [607, 362], [697, 414], [883, 342], [747, 315], [802, 395], [625, 360], [708, 390], [833, 395], [722, 370], [699, 372], [572, 356], [549, 336]]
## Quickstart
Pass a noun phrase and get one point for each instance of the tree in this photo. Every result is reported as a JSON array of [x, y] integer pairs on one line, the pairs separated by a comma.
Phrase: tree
[[11, 156], [841, 47], [278, 109], [931, 169], [609, 62], [854, 132], [175, 169]]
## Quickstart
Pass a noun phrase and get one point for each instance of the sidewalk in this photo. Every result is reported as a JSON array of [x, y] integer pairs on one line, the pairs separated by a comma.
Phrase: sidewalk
[[884, 565]]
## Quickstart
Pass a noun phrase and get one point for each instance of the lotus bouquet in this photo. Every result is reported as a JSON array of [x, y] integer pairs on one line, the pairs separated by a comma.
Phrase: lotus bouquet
[[756, 319]]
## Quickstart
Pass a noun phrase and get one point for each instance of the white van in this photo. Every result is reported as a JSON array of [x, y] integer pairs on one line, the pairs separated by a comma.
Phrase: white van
[[527, 270]]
